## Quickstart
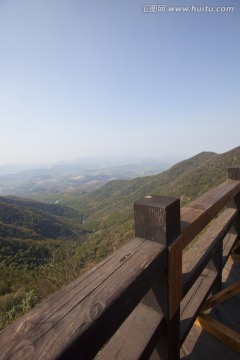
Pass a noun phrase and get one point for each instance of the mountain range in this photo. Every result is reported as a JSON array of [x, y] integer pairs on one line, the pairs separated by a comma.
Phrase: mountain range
[[45, 245], [109, 208], [83, 175]]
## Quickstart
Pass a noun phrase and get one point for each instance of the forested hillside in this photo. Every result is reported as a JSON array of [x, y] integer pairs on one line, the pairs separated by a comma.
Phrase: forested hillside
[[38, 242], [44, 246], [27, 219], [109, 210]]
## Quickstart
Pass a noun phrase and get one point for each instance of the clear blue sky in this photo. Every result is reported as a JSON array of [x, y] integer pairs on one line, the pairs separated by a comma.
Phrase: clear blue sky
[[83, 78]]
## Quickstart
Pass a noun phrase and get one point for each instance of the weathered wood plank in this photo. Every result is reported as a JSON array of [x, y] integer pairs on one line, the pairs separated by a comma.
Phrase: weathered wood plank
[[222, 296], [158, 218], [200, 345], [228, 313], [71, 321], [225, 334], [194, 348], [234, 173], [195, 298], [196, 257], [228, 243], [137, 337], [196, 215], [230, 272]]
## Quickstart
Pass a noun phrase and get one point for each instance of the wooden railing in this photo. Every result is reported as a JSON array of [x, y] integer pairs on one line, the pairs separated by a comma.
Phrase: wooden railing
[[141, 301]]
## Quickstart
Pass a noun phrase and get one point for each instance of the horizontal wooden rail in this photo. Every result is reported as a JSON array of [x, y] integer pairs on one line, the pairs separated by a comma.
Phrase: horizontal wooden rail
[[199, 213], [195, 298], [228, 244], [197, 257], [137, 337], [89, 310]]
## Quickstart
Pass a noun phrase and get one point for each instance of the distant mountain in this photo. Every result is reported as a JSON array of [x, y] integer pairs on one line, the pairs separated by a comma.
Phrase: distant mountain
[[27, 219], [127, 191], [13, 169], [35, 257], [83, 176], [110, 207], [104, 162]]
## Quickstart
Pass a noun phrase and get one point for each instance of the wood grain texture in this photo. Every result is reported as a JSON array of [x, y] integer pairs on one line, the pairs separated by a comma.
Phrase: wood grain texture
[[200, 345], [195, 298], [225, 334], [70, 324], [196, 257], [157, 218], [198, 214], [228, 244], [137, 337], [222, 295]]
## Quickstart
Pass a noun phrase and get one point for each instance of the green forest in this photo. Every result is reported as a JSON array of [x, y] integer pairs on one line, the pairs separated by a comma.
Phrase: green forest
[[44, 245]]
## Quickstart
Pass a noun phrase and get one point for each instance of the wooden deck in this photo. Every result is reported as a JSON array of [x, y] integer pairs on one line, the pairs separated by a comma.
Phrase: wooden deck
[[199, 344]]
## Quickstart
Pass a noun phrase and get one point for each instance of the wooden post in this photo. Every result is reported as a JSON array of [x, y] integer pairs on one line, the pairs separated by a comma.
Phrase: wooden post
[[157, 218], [234, 173]]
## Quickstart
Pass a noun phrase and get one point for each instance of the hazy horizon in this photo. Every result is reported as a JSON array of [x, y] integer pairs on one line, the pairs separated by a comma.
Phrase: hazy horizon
[[98, 162], [109, 159], [113, 78]]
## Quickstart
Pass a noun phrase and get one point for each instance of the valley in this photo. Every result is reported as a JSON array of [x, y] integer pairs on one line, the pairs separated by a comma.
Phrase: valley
[[81, 176], [48, 238]]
